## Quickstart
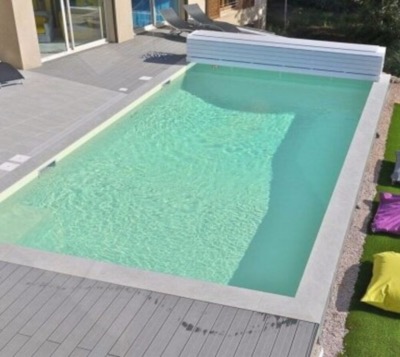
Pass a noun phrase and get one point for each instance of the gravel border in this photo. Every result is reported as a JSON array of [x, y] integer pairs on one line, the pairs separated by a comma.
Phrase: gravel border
[[333, 329]]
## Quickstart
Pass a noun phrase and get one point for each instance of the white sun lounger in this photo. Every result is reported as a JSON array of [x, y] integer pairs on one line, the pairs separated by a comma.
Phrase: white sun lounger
[[396, 173], [9, 75]]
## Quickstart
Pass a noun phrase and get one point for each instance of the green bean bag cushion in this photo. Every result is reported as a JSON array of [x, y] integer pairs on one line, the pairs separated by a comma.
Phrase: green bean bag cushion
[[384, 289]]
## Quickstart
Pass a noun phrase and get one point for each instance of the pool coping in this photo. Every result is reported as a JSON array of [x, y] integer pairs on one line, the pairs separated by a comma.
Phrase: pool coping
[[312, 295]]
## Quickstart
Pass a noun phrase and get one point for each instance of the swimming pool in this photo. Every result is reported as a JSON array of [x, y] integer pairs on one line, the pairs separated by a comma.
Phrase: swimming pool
[[225, 183]]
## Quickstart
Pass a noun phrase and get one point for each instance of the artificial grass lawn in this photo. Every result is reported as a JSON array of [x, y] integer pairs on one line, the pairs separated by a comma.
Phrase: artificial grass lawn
[[374, 332]]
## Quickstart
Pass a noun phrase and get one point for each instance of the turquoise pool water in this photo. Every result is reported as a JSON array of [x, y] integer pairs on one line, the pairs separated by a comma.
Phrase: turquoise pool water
[[223, 176]]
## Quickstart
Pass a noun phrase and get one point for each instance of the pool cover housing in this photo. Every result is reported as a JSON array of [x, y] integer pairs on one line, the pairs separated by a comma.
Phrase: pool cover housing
[[284, 54]]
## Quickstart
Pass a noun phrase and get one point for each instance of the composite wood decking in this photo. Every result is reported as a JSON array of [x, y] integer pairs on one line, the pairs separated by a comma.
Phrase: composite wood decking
[[44, 313]]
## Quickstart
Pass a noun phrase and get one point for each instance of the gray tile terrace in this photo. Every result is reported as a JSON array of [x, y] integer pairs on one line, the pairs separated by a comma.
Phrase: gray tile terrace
[[66, 98], [48, 312]]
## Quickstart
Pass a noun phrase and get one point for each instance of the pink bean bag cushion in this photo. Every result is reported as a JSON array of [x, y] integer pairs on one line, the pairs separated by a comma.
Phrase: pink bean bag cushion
[[387, 218]]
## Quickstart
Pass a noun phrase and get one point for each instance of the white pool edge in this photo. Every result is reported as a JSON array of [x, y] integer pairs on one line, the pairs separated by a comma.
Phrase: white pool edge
[[324, 258], [313, 293], [85, 138]]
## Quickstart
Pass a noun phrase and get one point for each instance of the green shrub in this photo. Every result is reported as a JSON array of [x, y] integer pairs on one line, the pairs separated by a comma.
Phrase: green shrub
[[364, 21], [392, 61]]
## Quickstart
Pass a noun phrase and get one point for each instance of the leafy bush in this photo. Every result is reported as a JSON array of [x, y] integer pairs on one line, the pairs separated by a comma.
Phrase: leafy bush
[[358, 21], [380, 22], [326, 5], [392, 62]]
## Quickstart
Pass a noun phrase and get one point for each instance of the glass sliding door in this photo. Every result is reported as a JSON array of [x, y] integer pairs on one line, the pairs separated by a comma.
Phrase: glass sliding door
[[142, 13], [64, 25], [49, 27], [147, 12], [85, 21], [163, 4]]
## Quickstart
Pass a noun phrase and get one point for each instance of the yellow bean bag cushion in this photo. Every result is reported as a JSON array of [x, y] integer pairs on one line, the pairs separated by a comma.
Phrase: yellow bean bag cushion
[[40, 22], [384, 289]]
